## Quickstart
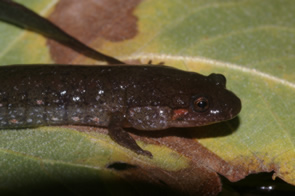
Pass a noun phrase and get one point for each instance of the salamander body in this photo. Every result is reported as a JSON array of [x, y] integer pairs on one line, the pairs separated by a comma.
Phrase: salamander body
[[118, 96]]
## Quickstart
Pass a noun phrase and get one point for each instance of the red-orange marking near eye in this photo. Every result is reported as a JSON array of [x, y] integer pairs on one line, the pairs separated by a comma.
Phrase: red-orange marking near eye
[[179, 113]]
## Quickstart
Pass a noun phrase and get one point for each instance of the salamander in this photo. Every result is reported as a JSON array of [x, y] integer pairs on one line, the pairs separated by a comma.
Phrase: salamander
[[144, 97]]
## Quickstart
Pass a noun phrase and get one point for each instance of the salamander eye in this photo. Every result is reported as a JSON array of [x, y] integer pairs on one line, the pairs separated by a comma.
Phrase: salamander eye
[[201, 104]]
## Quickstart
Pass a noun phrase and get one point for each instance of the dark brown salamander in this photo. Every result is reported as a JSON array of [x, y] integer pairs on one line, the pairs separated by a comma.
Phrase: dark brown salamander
[[117, 96]]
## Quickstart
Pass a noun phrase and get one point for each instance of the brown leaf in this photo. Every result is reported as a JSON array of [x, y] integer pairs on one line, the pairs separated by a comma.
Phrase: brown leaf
[[19, 15], [199, 178], [184, 141], [89, 20], [183, 182]]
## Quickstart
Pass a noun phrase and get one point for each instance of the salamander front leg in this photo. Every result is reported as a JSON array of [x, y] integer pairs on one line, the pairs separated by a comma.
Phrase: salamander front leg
[[119, 135]]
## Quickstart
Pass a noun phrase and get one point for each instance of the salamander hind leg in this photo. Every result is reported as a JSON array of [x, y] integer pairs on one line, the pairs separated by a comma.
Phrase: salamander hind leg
[[122, 137]]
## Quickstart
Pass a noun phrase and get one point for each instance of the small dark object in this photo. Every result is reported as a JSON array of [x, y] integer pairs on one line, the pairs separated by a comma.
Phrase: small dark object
[[120, 166]]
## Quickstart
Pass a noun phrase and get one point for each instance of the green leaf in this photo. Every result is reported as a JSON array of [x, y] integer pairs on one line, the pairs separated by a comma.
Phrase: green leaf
[[19, 46], [250, 42]]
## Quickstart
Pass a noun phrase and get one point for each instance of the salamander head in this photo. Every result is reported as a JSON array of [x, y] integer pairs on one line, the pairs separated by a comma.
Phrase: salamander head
[[182, 99], [209, 103]]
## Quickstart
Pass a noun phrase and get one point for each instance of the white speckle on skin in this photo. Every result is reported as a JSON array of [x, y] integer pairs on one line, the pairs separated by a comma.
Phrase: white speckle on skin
[[76, 98], [63, 92], [100, 92], [214, 111]]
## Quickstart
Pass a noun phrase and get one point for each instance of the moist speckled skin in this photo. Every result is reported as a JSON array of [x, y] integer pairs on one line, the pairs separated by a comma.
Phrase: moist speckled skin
[[143, 97]]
